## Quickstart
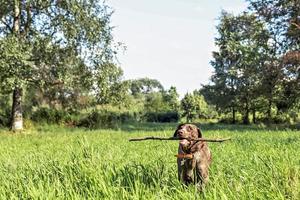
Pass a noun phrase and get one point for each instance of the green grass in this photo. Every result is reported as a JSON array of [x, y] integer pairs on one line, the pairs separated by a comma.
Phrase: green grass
[[60, 163]]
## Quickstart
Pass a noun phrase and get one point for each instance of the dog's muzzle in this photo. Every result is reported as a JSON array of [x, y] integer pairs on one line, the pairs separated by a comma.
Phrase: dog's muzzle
[[184, 142]]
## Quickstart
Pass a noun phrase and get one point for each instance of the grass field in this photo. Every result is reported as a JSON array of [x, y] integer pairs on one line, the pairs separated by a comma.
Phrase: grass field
[[51, 162]]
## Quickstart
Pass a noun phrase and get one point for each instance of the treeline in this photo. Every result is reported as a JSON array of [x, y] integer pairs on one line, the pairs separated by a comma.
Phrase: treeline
[[58, 64], [138, 100], [257, 64]]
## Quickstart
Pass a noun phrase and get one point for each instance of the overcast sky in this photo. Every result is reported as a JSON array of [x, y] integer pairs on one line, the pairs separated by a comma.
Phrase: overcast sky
[[169, 40]]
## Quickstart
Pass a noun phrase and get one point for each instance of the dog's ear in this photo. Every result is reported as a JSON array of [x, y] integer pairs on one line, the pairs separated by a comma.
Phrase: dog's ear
[[175, 133], [199, 133]]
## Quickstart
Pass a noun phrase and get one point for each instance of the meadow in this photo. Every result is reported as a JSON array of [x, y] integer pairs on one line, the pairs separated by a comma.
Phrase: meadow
[[52, 162]]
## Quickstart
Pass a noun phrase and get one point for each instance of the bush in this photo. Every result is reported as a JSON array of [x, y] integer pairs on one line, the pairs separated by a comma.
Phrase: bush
[[5, 117], [226, 121], [169, 116], [28, 124], [106, 119], [51, 116]]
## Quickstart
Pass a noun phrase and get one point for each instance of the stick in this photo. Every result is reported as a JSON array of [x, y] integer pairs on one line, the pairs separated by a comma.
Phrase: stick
[[174, 138]]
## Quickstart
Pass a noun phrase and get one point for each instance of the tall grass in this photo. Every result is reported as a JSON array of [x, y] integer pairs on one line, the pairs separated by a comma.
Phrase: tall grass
[[60, 163]]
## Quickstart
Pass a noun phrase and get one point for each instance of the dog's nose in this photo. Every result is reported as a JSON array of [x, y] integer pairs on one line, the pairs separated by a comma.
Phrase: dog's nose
[[180, 133]]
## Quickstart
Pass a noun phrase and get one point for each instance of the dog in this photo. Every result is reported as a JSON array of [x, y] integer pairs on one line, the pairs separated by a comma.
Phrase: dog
[[194, 157]]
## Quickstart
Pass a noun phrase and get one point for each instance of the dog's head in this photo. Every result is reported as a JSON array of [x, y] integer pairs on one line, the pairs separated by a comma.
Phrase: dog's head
[[186, 132]]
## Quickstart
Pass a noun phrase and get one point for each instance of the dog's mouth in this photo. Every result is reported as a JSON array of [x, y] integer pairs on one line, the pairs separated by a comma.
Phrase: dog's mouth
[[184, 142]]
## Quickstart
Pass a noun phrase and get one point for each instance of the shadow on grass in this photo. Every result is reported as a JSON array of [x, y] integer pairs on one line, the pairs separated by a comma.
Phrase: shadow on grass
[[155, 177], [207, 127], [171, 127], [251, 127], [134, 176], [142, 126]]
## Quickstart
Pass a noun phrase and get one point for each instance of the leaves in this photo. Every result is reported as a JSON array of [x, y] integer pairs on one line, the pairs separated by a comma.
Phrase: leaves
[[14, 63], [63, 48]]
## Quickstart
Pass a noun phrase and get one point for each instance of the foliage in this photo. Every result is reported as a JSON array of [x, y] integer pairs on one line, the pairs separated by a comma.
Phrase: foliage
[[242, 48], [50, 116], [170, 97], [107, 117], [282, 18], [5, 112], [65, 47], [163, 117], [194, 106], [256, 67], [189, 107], [144, 86]]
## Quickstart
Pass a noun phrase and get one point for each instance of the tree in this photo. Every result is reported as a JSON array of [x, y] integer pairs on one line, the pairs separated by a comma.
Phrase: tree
[[48, 42], [283, 22], [170, 97], [204, 110], [193, 105], [189, 107], [242, 46], [144, 86], [248, 42], [154, 102]]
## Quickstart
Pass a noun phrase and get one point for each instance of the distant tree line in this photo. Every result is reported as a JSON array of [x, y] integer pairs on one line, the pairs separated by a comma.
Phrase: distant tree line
[[58, 64], [257, 64]]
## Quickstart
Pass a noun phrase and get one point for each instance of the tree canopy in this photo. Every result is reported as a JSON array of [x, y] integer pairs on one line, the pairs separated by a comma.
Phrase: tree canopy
[[50, 43], [256, 66]]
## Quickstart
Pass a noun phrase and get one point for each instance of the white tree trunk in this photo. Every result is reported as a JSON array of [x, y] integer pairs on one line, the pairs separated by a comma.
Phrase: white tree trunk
[[16, 114], [17, 117]]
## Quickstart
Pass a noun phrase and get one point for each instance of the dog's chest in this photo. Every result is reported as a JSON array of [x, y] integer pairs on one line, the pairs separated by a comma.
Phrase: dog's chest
[[190, 163]]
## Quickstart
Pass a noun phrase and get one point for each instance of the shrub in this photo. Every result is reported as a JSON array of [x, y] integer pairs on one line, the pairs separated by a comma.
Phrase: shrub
[[282, 119], [48, 115], [5, 116], [28, 124], [106, 119], [169, 116]]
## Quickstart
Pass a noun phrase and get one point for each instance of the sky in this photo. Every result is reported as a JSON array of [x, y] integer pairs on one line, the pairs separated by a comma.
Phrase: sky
[[169, 40]]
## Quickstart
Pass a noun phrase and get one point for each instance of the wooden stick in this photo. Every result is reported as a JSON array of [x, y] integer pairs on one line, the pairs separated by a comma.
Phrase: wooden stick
[[174, 138]]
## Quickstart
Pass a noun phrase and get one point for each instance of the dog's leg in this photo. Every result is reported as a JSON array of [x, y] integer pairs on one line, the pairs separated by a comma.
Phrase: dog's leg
[[189, 173], [180, 167], [202, 166], [202, 173]]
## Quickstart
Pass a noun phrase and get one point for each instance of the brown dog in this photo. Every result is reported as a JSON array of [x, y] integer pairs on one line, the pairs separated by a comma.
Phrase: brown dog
[[193, 157]]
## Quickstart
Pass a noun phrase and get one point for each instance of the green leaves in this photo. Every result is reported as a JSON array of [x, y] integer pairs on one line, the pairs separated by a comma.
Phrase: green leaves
[[15, 64], [194, 106], [61, 47], [253, 65]]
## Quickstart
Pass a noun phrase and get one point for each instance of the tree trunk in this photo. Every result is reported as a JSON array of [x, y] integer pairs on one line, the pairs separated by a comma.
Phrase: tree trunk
[[233, 115], [16, 114], [246, 115], [270, 110], [16, 27]]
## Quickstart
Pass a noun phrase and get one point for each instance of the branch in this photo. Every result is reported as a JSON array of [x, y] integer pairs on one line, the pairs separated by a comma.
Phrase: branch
[[7, 26], [297, 25], [28, 20], [175, 138]]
